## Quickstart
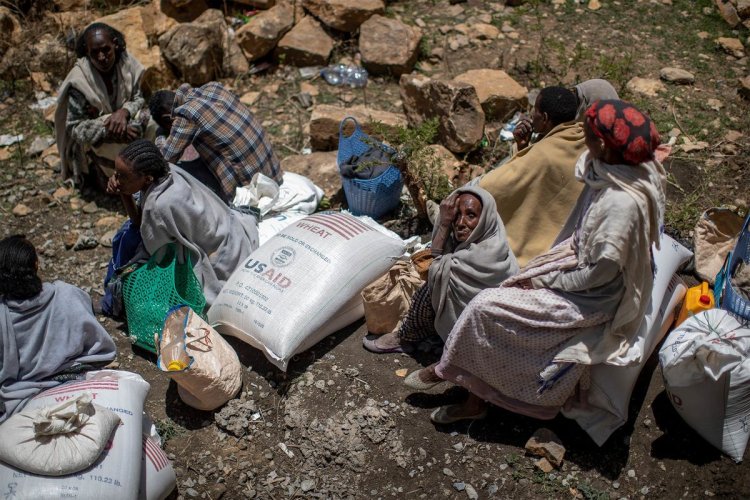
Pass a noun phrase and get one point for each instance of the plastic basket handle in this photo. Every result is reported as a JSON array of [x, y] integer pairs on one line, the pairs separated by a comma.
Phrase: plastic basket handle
[[343, 122]]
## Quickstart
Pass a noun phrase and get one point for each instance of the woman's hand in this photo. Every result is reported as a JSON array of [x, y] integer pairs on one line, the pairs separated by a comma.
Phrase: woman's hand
[[113, 187], [117, 123], [448, 211], [522, 132]]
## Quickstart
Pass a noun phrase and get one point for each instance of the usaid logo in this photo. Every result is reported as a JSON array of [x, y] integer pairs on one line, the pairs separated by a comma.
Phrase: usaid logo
[[283, 256]]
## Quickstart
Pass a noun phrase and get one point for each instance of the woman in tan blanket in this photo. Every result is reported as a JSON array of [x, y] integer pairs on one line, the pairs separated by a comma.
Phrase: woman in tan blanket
[[99, 105], [527, 345]]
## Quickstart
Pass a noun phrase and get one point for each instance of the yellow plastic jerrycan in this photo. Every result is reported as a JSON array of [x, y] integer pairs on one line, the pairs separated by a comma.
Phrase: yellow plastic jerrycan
[[698, 298]]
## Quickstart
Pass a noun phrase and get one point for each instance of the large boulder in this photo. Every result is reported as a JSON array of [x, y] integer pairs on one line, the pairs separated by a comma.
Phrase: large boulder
[[260, 4], [388, 46], [499, 94], [183, 11], [263, 31], [156, 22], [325, 120], [233, 62], [74, 21], [455, 104], [68, 5], [319, 167], [307, 44], [10, 30], [130, 22], [195, 51], [344, 15]]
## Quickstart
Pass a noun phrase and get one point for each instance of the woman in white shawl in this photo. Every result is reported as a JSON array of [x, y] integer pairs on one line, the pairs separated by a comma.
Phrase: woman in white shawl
[[471, 253], [527, 345], [177, 208], [99, 104], [48, 332]]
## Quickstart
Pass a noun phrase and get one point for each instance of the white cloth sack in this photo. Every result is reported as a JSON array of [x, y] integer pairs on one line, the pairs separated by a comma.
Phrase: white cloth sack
[[296, 194], [117, 471], [286, 295], [157, 475], [59, 439], [612, 386], [213, 373], [706, 368]]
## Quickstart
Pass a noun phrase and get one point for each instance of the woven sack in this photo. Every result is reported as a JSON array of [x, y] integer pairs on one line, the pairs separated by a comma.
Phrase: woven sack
[[714, 237], [154, 288], [213, 374], [387, 299]]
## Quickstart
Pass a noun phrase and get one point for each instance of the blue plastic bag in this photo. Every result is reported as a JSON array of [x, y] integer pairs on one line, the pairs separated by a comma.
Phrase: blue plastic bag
[[124, 247]]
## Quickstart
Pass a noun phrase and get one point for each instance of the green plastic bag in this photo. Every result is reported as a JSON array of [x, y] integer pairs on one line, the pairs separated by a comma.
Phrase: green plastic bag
[[150, 291]]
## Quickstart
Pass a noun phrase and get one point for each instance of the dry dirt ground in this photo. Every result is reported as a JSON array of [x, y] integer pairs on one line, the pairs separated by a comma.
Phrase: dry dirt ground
[[350, 428]]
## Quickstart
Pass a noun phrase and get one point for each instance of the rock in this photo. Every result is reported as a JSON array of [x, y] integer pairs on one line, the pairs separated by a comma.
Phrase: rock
[[714, 104], [105, 240], [454, 103], [728, 12], [183, 11], [76, 203], [233, 61], [451, 166], [62, 193], [732, 46], [50, 56], [743, 8], [459, 486], [69, 239], [71, 20], [90, 208], [109, 221], [732, 136], [21, 210], [155, 21], [39, 144], [307, 44], [216, 491], [320, 167], [544, 443], [543, 465], [307, 485], [325, 120], [645, 86], [65, 5], [131, 23], [388, 46], [261, 4], [10, 30], [195, 51], [85, 241], [249, 98], [483, 31], [677, 75], [745, 87], [594, 5], [344, 15], [471, 492], [308, 88], [499, 94], [261, 33]]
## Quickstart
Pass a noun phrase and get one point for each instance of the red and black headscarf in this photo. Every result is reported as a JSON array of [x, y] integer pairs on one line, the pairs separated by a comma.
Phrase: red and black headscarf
[[624, 129]]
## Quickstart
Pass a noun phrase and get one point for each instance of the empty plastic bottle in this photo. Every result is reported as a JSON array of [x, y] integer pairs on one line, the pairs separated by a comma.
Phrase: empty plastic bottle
[[173, 354], [341, 74]]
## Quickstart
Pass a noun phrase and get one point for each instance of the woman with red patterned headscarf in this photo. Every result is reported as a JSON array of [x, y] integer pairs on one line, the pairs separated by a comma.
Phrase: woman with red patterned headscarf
[[528, 345]]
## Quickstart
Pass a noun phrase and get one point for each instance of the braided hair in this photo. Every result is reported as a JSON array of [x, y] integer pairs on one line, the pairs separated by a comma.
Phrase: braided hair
[[82, 49], [18, 269], [145, 158], [161, 103], [559, 103]]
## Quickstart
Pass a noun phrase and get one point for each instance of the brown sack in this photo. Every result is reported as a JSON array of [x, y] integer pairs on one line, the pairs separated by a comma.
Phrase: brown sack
[[387, 299], [714, 237]]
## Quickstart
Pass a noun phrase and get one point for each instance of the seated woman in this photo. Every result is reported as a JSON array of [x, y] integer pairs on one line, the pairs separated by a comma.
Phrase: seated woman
[[99, 105], [177, 208], [527, 345], [471, 253], [47, 330]]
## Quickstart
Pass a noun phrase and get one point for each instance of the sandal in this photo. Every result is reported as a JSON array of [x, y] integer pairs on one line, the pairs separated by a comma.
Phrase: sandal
[[417, 383], [443, 415], [371, 345]]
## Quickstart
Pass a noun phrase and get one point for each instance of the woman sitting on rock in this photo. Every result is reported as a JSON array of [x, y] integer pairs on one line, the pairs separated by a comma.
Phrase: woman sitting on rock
[[48, 331], [471, 253], [99, 105], [177, 208], [527, 345]]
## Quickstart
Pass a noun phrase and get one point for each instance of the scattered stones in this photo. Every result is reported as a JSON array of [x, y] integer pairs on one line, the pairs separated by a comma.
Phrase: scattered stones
[[86, 241], [732, 46], [90, 207], [344, 15], [235, 417], [109, 221], [307, 44], [325, 120], [544, 465], [677, 75], [307, 485], [631, 473], [21, 210], [714, 104], [62, 193], [39, 144], [249, 98], [263, 31], [645, 86], [388, 46], [499, 94], [105, 240], [454, 103], [448, 472], [544, 443]]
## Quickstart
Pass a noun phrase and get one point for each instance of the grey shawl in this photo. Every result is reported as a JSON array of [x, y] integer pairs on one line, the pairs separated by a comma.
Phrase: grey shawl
[[180, 209], [484, 260], [87, 80], [593, 90], [44, 336]]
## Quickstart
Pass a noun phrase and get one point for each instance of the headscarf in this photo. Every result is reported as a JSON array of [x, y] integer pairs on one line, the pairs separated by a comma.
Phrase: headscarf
[[590, 91], [624, 129], [484, 260]]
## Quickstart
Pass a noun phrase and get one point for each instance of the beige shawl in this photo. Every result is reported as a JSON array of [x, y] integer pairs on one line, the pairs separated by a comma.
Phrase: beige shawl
[[87, 80], [590, 91]]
